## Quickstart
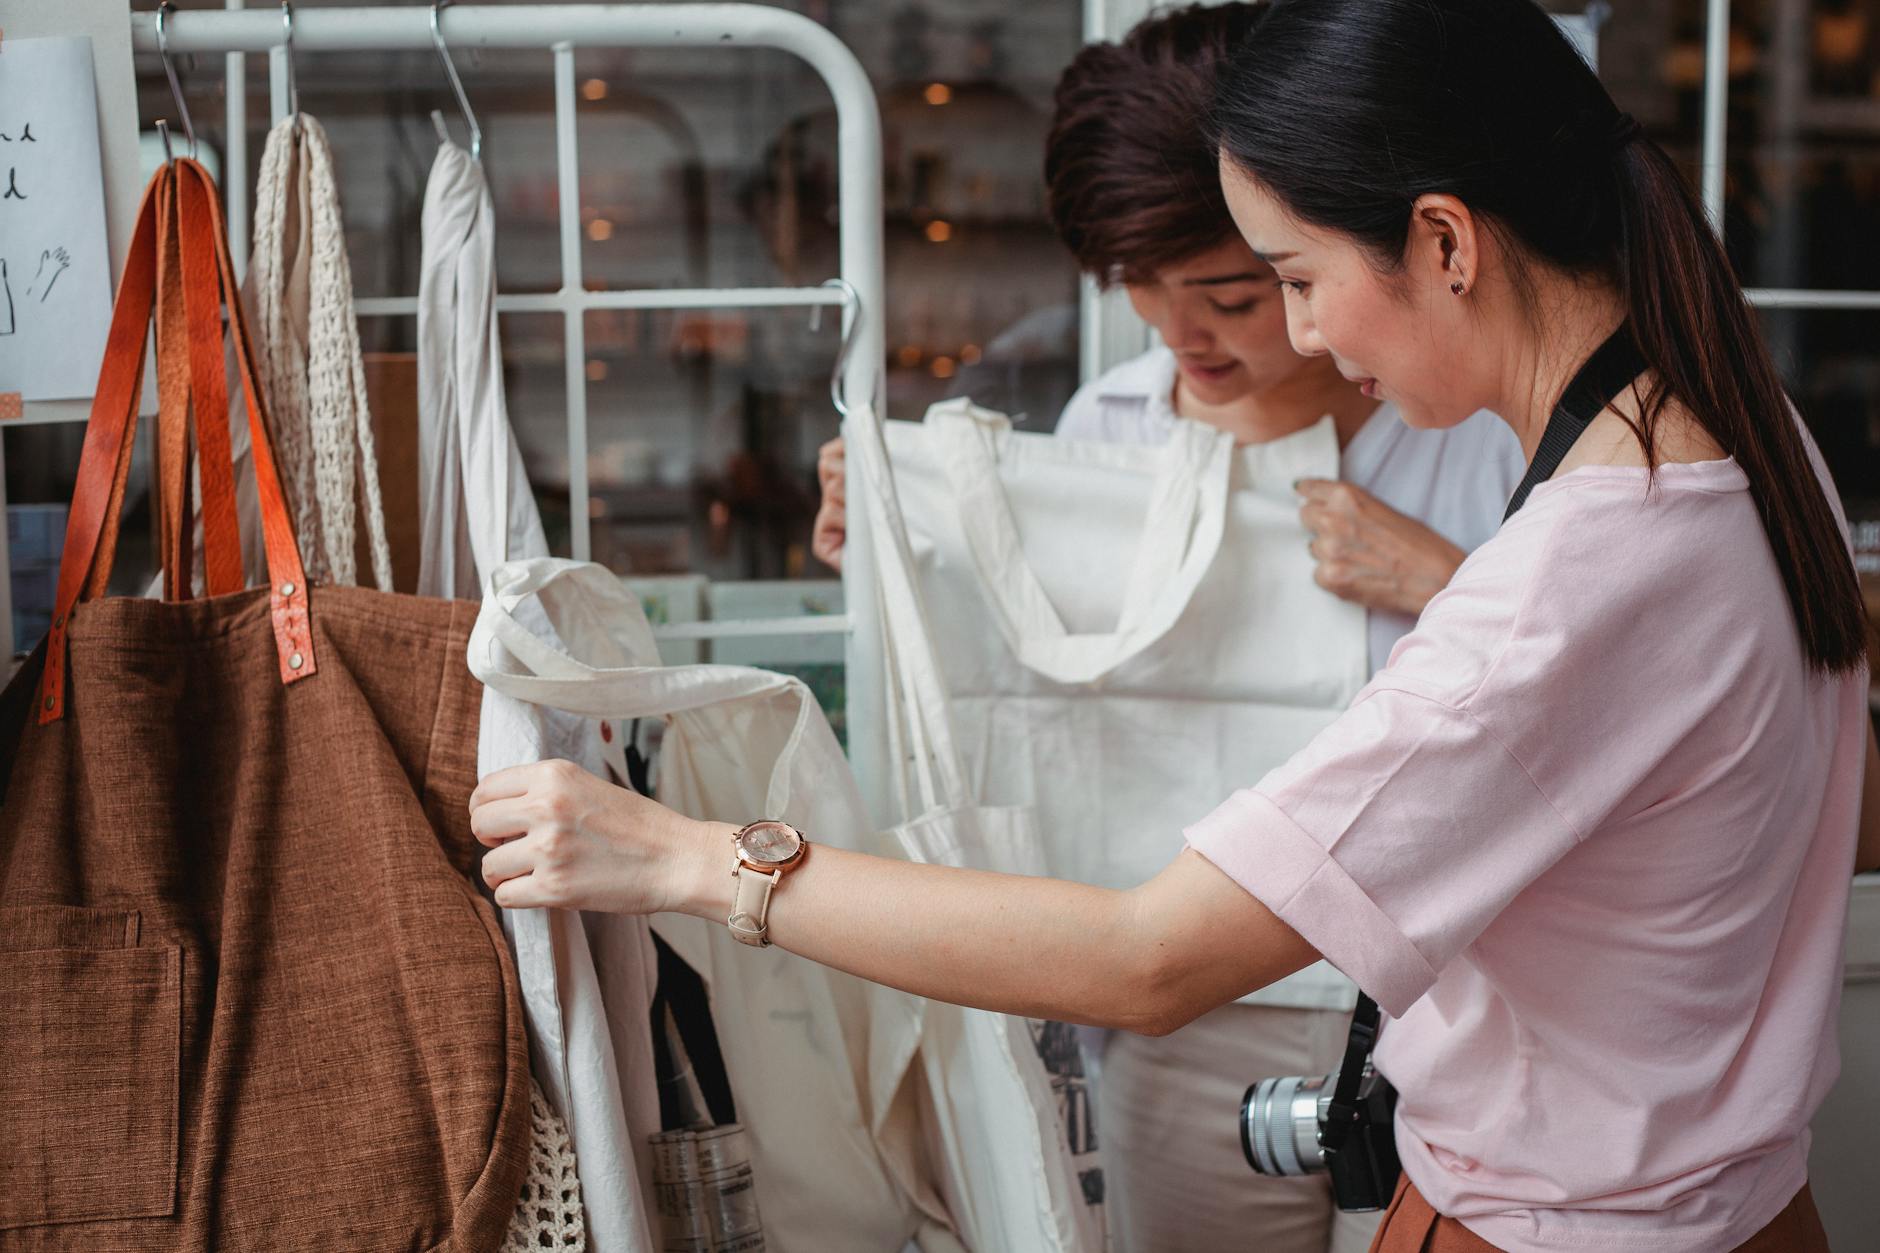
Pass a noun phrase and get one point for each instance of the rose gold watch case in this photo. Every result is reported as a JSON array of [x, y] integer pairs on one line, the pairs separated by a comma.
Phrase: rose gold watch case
[[767, 867]]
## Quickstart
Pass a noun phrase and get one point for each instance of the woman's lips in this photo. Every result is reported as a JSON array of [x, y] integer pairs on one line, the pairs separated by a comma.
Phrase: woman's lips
[[1368, 387], [1208, 373]]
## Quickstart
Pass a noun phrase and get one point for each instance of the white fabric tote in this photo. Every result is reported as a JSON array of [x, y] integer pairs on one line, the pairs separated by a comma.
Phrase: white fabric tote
[[1007, 1175], [475, 505], [587, 980], [817, 1059], [1130, 633]]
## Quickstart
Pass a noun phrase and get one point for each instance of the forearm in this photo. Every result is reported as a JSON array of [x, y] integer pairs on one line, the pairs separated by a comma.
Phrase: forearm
[[1043, 948], [1148, 960]]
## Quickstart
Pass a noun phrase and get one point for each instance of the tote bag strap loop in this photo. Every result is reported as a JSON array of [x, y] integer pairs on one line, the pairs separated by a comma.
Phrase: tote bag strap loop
[[1181, 535], [917, 687], [179, 233]]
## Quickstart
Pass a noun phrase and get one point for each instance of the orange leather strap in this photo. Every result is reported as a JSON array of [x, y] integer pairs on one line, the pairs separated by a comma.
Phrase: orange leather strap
[[208, 377], [180, 219], [287, 579], [173, 511]]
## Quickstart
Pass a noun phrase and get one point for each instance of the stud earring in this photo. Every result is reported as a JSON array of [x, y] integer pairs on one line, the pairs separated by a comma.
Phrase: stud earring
[[1456, 287]]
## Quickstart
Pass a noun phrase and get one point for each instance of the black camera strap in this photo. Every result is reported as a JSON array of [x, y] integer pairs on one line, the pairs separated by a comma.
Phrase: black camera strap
[[1598, 383], [1343, 1111], [1609, 371]]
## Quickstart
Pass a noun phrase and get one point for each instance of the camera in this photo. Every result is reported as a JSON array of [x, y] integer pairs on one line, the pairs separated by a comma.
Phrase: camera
[[1283, 1125], [1339, 1123]]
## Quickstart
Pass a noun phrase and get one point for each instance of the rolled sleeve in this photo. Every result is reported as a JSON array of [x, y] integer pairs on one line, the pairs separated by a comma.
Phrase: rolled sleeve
[[1391, 841], [1255, 844]]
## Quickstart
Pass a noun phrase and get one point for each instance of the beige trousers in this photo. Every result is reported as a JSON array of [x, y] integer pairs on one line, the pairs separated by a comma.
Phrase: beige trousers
[[1168, 1120]]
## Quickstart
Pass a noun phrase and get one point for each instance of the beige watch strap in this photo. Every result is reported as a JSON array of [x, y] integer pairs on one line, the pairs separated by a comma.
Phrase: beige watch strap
[[750, 908]]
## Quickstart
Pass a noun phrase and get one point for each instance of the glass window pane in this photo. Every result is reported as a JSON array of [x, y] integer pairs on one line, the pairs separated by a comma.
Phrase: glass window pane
[[716, 167], [701, 424], [1651, 58], [41, 466], [1830, 361], [1804, 143]]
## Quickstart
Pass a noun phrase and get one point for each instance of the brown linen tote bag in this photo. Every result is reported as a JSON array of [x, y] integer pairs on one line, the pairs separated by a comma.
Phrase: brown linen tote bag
[[251, 996]]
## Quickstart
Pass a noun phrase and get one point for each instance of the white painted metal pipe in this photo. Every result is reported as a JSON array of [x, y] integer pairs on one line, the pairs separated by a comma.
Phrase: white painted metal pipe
[[1716, 105], [620, 26]]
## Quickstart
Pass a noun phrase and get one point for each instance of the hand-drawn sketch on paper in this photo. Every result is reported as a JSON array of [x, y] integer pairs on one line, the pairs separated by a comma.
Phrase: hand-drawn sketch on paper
[[55, 267]]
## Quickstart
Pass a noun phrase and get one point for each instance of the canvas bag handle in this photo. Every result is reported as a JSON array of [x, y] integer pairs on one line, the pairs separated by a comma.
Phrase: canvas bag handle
[[1181, 535], [927, 755]]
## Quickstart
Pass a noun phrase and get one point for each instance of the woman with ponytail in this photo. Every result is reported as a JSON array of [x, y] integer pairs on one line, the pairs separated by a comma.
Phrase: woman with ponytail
[[1587, 838]]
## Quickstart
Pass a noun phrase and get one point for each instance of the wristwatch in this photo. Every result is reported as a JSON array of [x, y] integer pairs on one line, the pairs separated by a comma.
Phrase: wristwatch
[[765, 850]]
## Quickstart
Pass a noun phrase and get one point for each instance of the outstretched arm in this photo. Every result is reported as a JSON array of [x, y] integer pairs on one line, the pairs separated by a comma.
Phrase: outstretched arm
[[1148, 960]]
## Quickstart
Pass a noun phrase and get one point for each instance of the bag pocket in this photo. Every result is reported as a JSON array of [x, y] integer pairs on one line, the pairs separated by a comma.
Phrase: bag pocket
[[90, 1037]]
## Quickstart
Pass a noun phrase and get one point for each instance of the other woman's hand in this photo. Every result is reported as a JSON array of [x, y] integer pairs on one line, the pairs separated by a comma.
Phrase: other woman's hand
[[831, 530], [562, 837], [1370, 554]]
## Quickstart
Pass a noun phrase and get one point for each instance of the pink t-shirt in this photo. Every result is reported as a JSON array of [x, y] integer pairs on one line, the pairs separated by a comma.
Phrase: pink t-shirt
[[1588, 841]]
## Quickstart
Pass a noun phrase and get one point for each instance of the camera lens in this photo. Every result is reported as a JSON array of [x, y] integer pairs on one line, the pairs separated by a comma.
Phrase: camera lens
[[1279, 1124]]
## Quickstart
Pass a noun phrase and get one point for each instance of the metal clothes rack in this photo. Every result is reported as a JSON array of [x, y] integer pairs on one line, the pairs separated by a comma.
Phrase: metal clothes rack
[[859, 289]]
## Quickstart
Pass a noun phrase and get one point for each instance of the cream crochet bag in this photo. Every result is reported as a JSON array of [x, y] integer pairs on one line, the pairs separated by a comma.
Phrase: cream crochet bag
[[548, 1217], [307, 337]]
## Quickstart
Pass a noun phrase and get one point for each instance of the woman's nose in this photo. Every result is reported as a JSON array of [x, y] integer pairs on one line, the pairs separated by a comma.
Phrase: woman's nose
[[1185, 333], [1301, 329]]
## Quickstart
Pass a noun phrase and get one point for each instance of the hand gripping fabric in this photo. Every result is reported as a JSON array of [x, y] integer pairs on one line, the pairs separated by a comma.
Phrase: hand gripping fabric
[[251, 995]]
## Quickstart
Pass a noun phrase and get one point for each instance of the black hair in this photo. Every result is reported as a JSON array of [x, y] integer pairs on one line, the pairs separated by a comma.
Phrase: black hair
[[1348, 111]]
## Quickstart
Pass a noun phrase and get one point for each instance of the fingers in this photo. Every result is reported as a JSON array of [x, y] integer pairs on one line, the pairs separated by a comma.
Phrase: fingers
[[829, 534], [499, 821], [508, 861], [831, 462], [534, 776], [513, 781], [525, 892]]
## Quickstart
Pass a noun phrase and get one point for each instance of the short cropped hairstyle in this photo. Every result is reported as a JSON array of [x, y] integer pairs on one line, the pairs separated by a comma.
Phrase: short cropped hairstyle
[[1130, 163]]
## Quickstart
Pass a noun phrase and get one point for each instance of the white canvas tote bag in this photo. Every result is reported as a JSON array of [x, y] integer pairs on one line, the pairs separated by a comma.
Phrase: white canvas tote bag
[[587, 980], [805, 1047], [1007, 1175], [1129, 633]]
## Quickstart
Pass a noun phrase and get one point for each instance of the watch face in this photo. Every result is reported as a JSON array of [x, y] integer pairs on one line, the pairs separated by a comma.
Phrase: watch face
[[769, 843]]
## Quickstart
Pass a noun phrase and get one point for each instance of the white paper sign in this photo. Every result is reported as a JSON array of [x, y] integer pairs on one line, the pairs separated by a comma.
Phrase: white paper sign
[[55, 267]]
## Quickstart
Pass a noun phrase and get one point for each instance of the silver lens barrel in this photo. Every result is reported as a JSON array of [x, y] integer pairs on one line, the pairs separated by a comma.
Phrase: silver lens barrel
[[1279, 1124]]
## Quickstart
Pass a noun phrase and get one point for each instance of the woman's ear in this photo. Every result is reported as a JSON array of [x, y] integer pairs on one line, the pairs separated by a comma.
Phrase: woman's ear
[[1445, 244]]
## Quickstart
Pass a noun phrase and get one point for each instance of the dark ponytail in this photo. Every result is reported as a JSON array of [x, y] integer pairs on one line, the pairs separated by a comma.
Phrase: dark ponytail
[[1349, 110]]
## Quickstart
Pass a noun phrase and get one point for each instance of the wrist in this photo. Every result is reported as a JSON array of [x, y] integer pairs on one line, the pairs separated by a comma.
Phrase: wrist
[[709, 886]]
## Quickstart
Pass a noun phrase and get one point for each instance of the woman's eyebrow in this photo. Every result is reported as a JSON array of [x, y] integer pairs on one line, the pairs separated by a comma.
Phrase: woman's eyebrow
[[1215, 280]]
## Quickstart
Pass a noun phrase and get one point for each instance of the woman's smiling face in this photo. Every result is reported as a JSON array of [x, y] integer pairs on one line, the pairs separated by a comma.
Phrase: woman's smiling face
[[1404, 336], [1221, 314]]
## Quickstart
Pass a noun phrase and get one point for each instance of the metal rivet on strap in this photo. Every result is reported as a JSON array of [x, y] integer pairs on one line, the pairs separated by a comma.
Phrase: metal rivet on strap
[[287, 589], [296, 662], [49, 702]]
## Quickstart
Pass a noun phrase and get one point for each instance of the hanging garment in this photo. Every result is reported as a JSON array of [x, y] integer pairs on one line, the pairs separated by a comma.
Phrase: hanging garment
[[468, 461], [307, 338], [1129, 633], [252, 991], [1003, 1127], [587, 980], [836, 1166]]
